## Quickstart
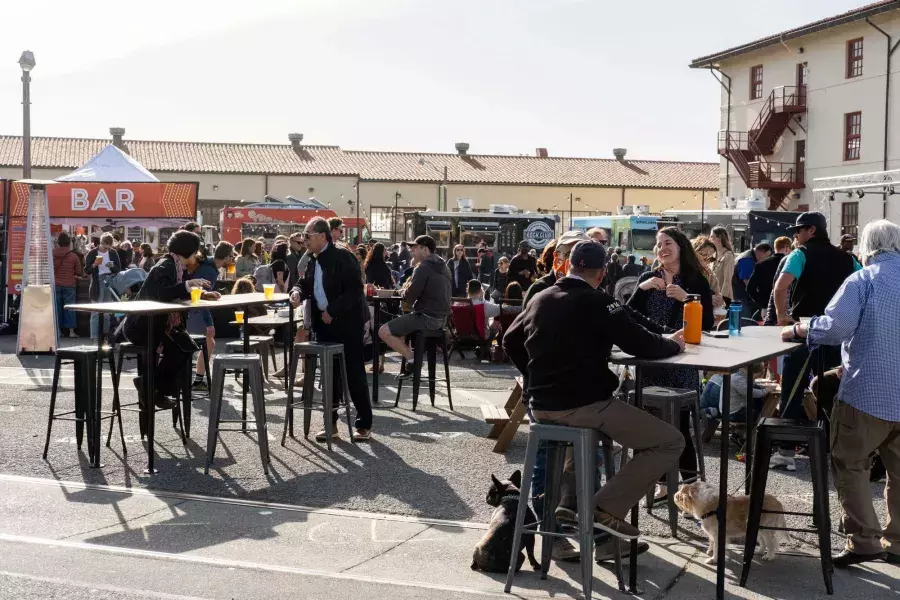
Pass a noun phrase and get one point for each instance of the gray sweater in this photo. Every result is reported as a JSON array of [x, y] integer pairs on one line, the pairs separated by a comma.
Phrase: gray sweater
[[428, 290]]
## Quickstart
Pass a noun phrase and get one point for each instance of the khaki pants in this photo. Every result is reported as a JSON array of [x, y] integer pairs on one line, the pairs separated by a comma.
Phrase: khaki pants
[[854, 436], [657, 446]]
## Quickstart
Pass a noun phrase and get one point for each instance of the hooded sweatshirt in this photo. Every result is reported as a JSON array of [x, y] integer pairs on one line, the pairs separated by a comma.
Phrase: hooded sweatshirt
[[428, 290], [66, 266]]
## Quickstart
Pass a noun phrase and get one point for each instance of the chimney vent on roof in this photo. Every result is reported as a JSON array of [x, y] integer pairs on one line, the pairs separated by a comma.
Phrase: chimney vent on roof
[[462, 148], [541, 152], [619, 153], [117, 133], [295, 139]]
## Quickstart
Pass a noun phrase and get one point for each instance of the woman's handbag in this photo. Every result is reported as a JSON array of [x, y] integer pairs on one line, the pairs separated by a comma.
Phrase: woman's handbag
[[182, 341]]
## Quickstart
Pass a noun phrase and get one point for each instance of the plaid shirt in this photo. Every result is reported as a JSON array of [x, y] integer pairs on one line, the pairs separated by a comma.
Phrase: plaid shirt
[[864, 318]]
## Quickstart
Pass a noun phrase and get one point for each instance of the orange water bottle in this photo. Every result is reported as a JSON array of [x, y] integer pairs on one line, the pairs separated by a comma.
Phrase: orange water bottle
[[693, 319]]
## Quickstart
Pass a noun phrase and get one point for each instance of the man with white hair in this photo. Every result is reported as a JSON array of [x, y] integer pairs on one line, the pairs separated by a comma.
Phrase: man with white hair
[[864, 318]]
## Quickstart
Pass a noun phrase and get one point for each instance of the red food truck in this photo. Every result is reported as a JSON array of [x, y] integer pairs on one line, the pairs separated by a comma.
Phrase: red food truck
[[274, 217]]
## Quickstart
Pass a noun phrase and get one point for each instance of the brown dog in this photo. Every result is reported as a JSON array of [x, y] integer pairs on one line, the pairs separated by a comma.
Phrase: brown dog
[[494, 552], [701, 500]]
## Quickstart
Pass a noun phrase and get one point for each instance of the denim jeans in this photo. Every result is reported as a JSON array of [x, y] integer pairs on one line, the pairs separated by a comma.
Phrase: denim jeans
[[710, 396], [103, 295], [65, 318], [825, 358]]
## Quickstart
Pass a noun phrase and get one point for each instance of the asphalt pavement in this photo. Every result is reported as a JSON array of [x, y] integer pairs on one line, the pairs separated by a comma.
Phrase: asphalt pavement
[[423, 476]]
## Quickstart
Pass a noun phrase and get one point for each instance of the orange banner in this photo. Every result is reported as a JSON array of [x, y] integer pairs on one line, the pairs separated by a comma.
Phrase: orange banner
[[113, 200]]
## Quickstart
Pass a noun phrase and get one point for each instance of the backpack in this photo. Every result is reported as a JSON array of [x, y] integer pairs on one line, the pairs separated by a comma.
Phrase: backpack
[[263, 275]]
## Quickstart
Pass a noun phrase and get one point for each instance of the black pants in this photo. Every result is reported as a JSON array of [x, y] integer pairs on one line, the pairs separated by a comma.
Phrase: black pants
[[356, 371]]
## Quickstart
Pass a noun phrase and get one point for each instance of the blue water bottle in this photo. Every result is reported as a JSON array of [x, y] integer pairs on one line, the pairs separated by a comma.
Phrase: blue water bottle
[[734, 318]]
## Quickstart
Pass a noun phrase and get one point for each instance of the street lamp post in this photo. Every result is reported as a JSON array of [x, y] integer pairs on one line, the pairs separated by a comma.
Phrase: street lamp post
[[358, 223], [570, 211], [26, 61], [397, 197]]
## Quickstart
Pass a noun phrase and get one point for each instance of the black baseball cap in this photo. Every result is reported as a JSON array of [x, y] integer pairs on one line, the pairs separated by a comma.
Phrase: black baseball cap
[[588, 255], [810, 219], [848, 238], [424, 240]]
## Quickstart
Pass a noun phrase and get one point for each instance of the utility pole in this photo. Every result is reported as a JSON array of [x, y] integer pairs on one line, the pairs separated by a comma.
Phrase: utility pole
[[359, 239], [570, 211], [397, 197]]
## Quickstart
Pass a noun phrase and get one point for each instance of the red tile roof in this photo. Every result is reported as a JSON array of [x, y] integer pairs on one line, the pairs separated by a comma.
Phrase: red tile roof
[[857, 14], [201, 157]]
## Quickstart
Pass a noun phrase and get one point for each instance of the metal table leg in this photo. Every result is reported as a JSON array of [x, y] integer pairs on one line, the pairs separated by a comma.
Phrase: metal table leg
[[244, 376], [376, 349], [632, 559], [95, 403], [723, 485], [149, 385], [750, 433]]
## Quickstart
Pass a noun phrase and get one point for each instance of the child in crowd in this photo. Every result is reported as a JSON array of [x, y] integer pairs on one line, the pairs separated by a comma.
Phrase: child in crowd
[[711, 398], [475, 292]]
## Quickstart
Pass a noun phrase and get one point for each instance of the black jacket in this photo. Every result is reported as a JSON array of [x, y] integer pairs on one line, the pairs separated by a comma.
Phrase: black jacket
[[759, 288], [826, 269], [342, 280], [379, 274], [89, 269], [458, 284], [161, 285], [540, 285], [675, 318], [563, 338]]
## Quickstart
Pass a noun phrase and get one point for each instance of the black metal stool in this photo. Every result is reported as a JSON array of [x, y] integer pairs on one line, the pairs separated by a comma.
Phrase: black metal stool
[[180, 414], [427, 342], [200, 340], [84, 361], [556, 438], [811, 433]]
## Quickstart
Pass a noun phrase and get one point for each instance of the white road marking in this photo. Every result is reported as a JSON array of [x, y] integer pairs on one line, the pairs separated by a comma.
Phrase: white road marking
[[236, 564], [99, 586], [337, 512]]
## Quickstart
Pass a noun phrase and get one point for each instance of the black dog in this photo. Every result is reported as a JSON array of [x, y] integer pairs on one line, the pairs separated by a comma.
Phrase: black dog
[[494, 552]]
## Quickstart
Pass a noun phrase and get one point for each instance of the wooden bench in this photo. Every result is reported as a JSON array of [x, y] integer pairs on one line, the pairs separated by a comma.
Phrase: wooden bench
[[505, 420]]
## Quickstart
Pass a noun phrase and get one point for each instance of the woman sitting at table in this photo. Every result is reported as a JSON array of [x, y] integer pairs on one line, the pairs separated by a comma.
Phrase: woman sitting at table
[[166, 282], [660, 296], [376, 269]]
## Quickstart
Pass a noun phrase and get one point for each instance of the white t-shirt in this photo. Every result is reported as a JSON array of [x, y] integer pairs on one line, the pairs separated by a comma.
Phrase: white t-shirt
[[103, 269]]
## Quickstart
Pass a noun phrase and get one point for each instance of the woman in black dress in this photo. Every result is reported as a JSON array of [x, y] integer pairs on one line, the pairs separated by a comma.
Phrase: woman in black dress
[[376, 269], [660, 296]]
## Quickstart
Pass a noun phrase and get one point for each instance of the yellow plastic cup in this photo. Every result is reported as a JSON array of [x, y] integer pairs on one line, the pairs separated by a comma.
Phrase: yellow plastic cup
[[269, 290], [195, 295], [230, 269], [239, 316]]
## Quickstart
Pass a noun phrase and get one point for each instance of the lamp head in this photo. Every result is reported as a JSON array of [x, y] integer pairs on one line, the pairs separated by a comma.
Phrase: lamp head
[[26, 61]]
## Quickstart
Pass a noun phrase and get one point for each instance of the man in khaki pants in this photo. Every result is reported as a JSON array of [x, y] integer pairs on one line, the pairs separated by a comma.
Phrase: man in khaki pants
[[562, 340], [864, 317]]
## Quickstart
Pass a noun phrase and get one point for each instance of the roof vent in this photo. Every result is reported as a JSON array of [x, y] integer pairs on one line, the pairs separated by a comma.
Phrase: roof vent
[[117, 133], [295, 139], [540, 152], [462, 148], [619, 153]]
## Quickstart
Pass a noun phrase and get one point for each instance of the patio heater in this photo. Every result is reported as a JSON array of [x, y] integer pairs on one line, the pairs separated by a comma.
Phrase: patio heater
[[38, 333]]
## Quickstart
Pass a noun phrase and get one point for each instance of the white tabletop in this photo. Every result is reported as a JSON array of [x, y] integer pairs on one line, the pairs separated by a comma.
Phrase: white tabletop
[[149, 307], [754, 344]]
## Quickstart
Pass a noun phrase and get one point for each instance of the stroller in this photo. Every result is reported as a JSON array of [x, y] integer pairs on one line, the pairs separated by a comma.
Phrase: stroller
[[125, 283]]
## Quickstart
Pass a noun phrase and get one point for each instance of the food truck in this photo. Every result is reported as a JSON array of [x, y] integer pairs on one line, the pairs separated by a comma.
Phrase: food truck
[[747, 227], [634, 233]]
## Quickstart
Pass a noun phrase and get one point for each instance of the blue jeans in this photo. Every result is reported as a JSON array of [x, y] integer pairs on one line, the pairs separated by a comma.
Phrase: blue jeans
[[103, 295], [710, 396], [65, 318]]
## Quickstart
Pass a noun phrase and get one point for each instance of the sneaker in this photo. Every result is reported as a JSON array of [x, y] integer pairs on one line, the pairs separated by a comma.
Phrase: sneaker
[[362, 435], [199, 384], [779, 460], [605, 551], [566, 516], [614, 525], [564, 550], [406, 372], [322, 436], [279, 374]]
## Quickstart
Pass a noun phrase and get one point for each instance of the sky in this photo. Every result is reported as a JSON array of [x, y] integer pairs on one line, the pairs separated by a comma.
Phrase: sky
[[579, 77]]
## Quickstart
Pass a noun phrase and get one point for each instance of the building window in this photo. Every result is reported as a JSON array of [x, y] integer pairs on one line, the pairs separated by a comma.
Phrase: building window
[[850, 218], [756, 88], [802, 74], [380, 221], [854, 58], [852, 135]]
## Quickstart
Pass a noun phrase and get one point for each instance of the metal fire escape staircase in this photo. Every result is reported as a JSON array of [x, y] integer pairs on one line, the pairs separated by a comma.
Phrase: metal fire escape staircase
[[747, 150]]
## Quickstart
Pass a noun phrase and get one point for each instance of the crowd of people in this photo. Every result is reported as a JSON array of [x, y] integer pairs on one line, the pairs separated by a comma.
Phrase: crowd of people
[[845, 305]]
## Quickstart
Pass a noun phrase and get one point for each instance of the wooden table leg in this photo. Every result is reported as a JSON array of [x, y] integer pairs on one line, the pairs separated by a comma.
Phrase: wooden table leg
[[510, 429]]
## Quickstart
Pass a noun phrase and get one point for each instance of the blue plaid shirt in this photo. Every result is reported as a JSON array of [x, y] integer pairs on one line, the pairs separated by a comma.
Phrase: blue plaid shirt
[[864, 318]]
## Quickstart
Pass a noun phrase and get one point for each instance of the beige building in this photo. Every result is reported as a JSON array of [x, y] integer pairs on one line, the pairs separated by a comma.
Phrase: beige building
[[812, 102], [229, 174]]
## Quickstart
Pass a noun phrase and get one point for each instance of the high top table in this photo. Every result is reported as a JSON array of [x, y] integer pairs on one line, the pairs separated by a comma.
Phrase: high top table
[[150, 308], [726, 355]]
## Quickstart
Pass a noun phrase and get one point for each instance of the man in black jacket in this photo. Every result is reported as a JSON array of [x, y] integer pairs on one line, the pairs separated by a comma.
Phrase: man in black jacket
[[562, 340], [333, 283], [759, 288]]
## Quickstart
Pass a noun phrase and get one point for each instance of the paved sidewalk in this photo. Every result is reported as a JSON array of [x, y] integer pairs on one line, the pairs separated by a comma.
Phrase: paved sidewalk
[[70, 540]]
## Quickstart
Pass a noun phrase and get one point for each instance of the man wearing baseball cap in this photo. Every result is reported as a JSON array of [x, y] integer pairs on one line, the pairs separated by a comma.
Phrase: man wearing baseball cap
[[562, 341], [428, 292], [564, 246], [847, 243], [816, 270]]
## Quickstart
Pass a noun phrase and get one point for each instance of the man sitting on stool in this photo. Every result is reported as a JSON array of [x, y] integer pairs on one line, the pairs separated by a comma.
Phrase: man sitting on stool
[[428, 292], [562, 340]]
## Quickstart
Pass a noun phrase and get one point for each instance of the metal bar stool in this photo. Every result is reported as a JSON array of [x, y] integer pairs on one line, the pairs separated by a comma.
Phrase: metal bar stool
[[84, 362], [330, 356], [811, 433], [427, 342], [265, 347], [557, 438], [249, 363], [181, 415], [669, 402]]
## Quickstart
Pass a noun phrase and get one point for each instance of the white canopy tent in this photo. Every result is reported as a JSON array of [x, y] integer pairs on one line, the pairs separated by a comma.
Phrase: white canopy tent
[[111, 165]]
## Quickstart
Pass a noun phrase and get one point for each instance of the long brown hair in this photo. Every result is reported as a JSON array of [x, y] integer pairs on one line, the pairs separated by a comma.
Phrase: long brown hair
[[244, 285], [688, 263], [247, 247], [547, 257], [375, 257], [722, 233]]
